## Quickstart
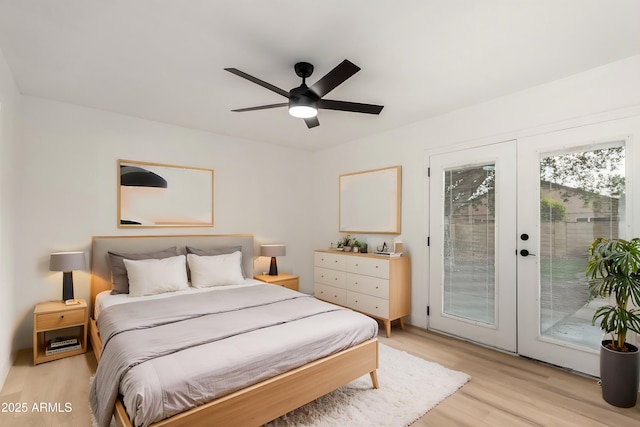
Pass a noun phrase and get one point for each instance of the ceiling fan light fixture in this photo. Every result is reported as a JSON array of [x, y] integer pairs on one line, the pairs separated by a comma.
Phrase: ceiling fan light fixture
[[303, 111], [303, 107]]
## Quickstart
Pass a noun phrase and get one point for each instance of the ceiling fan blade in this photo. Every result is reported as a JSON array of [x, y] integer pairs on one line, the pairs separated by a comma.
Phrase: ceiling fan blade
[[261, 107], [258, 81], [312, 122], [354, 107], [335, 77]]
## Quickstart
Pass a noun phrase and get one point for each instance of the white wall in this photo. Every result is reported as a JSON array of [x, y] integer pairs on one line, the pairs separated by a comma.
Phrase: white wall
[[65, 170], [8, 109], [67, 183], [612, 87]]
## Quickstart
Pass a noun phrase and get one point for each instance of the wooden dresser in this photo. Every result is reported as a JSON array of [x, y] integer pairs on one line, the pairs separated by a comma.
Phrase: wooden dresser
[[374, 285]]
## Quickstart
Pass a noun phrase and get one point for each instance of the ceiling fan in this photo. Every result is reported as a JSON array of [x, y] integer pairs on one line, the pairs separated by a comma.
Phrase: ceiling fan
[[304, 101]]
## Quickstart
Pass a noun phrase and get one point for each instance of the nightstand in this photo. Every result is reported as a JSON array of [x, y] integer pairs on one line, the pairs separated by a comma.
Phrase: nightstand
[[55, 320], [286, 280]]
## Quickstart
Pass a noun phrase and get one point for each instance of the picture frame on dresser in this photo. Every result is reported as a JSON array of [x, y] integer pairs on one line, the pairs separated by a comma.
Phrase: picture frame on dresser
[[161, 195]]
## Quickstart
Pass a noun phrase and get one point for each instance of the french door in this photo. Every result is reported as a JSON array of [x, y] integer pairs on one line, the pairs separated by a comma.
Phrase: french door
[[510, 225], [472, 261]]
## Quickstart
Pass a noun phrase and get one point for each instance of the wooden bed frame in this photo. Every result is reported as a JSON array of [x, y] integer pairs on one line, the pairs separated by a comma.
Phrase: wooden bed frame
[[256, 404]]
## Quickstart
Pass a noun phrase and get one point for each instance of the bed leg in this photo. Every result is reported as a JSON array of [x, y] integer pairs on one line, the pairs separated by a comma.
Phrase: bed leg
[[374, 379]]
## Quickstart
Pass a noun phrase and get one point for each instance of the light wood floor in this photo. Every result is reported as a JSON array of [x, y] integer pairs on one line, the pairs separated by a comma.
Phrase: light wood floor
[[504, 390]]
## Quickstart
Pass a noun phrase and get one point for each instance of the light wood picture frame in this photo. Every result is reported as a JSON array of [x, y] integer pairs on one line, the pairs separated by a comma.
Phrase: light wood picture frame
[[160, 195], [370, 201]]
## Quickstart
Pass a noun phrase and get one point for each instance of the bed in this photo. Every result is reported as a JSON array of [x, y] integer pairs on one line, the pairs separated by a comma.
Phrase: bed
[[258, 352]]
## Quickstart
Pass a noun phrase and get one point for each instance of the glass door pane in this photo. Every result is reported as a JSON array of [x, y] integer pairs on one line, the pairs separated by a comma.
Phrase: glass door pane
[[469, 243], [581, 199], [472, 224]]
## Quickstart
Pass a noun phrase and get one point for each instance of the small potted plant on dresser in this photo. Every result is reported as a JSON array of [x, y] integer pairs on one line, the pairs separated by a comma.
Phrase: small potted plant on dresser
[[347, 243], [614, 271]]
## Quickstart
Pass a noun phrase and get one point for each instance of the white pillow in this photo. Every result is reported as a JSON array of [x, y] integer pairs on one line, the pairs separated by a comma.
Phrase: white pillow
[[215, 270], [156, 276]]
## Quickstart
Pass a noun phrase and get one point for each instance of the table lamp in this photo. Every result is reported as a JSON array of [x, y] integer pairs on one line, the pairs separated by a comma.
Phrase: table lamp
[[67, 262], [273, 251]]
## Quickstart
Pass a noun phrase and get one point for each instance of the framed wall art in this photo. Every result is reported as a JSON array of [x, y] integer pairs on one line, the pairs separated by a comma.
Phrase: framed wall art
[[158, 195], [370, 201]]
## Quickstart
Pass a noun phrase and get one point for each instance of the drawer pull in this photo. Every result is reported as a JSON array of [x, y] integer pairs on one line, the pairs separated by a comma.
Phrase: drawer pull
[[376, 266], [62, 316]]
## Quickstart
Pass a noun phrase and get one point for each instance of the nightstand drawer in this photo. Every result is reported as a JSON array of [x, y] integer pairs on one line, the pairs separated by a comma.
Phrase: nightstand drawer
[[289, 283], [60, 320]]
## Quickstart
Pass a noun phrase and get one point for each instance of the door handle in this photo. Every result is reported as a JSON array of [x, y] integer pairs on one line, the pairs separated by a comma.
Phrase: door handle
[[525, 252]]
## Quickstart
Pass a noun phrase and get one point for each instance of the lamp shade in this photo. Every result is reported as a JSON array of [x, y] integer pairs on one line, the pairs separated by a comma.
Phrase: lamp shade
[[67, 261], [273, 250]]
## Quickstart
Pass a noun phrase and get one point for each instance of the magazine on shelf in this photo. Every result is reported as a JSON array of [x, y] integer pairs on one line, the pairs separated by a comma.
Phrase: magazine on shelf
[[63, 341], [49, 351]]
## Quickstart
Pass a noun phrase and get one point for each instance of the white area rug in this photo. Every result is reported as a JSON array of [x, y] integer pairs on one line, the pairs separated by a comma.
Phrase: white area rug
[[409, 388]]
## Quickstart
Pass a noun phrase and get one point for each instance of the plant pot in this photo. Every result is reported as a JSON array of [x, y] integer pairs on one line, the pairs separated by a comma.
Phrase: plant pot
[[619, 373], [347, 248]]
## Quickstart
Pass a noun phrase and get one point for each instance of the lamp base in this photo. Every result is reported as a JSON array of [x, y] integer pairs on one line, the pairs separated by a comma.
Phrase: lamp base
[[273, 268], [67, 286]]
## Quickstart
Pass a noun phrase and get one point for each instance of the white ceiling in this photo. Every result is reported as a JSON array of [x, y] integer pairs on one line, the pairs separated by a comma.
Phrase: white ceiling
[[163, 59]]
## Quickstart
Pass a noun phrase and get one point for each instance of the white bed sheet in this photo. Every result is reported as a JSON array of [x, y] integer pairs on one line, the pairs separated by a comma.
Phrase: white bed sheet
[[106, 299]]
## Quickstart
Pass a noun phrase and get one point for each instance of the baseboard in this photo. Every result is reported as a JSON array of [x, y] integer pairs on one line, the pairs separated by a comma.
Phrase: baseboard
[[5, 367]]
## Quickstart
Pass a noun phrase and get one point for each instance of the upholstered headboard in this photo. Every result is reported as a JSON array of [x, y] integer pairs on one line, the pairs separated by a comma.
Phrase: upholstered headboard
[[100, 245]]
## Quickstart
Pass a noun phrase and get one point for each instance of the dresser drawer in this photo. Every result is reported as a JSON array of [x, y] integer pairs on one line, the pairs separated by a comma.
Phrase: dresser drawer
[[60, 320], [331, 294], [330, 277], [327, 260], [377, 267], [368, 304], [368, 285]]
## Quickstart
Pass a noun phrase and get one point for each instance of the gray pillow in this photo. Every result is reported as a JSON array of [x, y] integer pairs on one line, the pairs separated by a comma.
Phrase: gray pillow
[[215, 251], [119, 271]]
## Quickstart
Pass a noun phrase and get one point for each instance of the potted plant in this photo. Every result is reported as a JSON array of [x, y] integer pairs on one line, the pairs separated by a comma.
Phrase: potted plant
[[356, 245], [614, 271], [346, 243]]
